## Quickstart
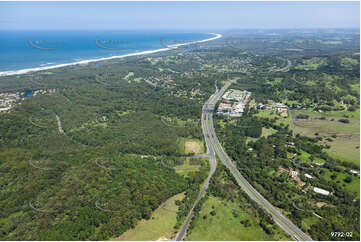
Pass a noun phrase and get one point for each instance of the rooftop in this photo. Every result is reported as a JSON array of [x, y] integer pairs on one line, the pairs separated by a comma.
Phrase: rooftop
[[321, 191]]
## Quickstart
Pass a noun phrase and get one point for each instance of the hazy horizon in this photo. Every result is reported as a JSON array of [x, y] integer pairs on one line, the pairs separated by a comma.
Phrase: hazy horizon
[[178, 15]]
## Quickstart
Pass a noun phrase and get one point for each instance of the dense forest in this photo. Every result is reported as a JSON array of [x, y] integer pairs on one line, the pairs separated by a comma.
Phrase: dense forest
[[103, 173]]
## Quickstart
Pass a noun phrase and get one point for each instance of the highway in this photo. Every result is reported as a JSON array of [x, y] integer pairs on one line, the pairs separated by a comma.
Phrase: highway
[[214, 145], [213, 164]]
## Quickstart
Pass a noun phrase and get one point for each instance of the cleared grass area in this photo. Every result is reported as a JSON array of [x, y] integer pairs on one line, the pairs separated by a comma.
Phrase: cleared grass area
[[346, 148], [327, 127], [251, 139], [193, 146], [226, 223], [353, 186], [308, 222], [273, 115], [190, 146], [159, 226], [342, 114], [305, 157], [267, 132], [329, 114], [187, 167], [345, 136]]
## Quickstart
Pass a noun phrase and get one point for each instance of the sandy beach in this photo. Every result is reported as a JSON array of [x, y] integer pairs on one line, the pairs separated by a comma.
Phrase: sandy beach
[[172, 47]]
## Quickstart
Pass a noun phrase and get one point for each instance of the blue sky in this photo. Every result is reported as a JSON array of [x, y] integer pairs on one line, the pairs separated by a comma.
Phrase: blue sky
[[178, 15]]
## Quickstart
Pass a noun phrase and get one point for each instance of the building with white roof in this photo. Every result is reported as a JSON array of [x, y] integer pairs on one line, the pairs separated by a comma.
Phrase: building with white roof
[[308, 176], [321, 191]]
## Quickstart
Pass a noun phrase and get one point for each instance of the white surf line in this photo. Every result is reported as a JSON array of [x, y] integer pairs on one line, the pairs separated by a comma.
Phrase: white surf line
[[28, 70], [217, 36]]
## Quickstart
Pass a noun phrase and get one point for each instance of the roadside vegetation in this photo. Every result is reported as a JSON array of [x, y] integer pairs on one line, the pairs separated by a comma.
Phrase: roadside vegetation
[[159, 227], [225, 213]]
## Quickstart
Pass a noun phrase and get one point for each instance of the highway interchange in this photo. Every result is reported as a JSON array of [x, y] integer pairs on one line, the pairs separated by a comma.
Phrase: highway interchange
[[214, 148]]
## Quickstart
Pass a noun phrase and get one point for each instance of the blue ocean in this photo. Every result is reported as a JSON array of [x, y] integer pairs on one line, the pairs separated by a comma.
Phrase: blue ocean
[[31, 49]]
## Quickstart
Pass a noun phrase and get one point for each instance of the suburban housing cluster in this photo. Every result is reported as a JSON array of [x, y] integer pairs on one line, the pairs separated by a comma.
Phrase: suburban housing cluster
[[279, 107], [8, 99], [234, 102]]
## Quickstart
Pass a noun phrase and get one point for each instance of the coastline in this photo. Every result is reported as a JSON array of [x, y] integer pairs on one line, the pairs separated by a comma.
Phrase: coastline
[[172, 47]]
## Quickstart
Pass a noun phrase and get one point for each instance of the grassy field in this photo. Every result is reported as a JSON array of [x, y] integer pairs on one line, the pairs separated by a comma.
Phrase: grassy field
[[344, 146], [329, 114], [159, 226], [327, 126], [190, 146], [353, 186], [265, 133], [226, 223], [342, 114], [307, 222], [193, 146], [273, 115], [251, 139], [187, 167]]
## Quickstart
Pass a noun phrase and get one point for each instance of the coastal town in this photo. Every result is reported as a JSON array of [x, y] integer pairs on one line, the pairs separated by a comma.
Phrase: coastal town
[[9, 99]]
